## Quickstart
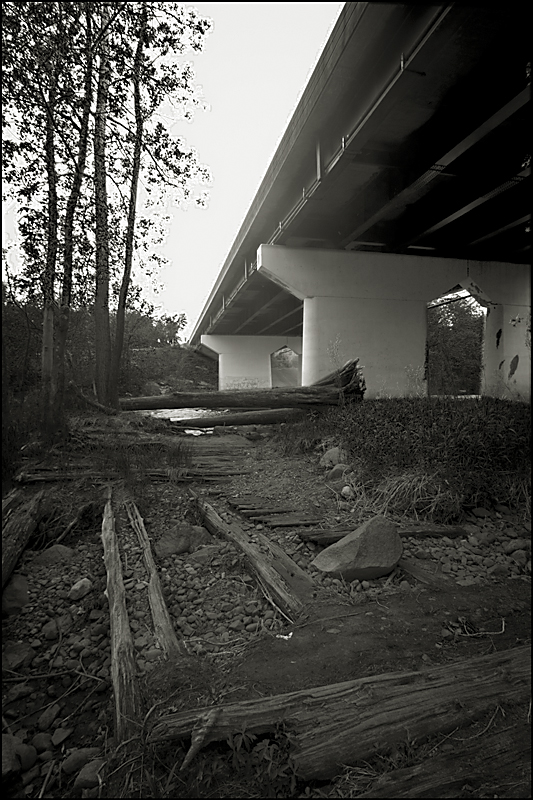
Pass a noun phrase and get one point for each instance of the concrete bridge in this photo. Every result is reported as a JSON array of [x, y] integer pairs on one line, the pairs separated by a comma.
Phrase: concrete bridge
[[403, 174]]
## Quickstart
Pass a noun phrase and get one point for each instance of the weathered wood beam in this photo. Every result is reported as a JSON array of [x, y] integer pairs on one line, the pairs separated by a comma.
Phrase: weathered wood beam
[[348, 722], [304, 396], [17, 527]]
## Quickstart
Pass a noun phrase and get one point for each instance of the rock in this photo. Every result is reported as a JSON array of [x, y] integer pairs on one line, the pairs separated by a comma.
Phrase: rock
[[520, 557], [182, 539], [337, 472], [15, 595], [49, 630], [204, 554], [515, 544], [501, 509], [27, 755], [371, 551], [48, 716], [151, 388], [10, 762], [57, 554], [88, 775], [42, 742], [333, 456], [480, 512], [78, 759], [60, 734], [80, 589], [348, 492], [17, 655]]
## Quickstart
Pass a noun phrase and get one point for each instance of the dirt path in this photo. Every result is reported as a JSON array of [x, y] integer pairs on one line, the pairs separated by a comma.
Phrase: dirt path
[[56, 649]]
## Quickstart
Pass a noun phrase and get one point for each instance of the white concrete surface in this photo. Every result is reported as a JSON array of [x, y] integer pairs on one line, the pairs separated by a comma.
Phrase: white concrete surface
[[244, 361], [373, 306]]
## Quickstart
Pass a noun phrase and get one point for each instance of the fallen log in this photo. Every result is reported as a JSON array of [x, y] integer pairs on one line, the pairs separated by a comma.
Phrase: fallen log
[[493, 763], [270, 417], [17, 527], [163, 628], [290, 587], [422, 530], [304, 396], [349, 722], [128, 701], [92, 403]]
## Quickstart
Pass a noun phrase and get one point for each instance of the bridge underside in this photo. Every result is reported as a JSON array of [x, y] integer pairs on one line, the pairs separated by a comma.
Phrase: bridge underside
[[411, 142]]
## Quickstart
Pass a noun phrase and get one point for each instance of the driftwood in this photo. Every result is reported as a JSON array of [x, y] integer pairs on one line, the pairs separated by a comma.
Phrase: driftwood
[[266, 417], [348, 722], [17, 527], [493, 761], [422, 530], [128, 702], [304, 396], [92, 403], [288, 585], [174, 475], [424, 574], [163, 627]]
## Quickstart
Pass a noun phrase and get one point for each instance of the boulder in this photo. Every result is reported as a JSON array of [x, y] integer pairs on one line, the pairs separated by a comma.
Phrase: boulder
[[333, 456], [182, 539], [337, 472], [80, 589], [57, 554], [372, 550], [15, 595], [151, 388]]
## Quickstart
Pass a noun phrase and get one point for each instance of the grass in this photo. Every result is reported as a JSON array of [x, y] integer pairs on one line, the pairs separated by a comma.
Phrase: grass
[[427, 457]]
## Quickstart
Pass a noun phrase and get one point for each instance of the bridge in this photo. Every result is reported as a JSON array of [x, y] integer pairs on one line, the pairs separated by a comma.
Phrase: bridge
[[404, 174]]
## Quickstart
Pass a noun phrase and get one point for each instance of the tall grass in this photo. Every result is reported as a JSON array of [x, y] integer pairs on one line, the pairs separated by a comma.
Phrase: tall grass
[[427, 456]]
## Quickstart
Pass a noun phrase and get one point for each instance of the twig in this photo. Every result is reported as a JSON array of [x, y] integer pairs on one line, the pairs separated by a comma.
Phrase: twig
[[45, 782]]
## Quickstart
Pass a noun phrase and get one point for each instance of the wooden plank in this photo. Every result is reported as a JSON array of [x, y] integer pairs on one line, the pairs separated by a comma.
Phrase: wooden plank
[[494, 761], [17, 528], [346, 723], [327, 536], [289, 586]]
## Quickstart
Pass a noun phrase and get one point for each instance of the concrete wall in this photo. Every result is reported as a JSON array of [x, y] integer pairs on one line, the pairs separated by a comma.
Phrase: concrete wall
[[373, 306], [244, 361]]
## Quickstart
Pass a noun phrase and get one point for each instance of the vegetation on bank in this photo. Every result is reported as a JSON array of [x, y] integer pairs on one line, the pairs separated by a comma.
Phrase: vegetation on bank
[[428, 457]]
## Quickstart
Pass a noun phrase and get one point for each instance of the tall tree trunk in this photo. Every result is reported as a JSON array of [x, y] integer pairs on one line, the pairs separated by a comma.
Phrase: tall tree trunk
[[66, 295], [48, 280], [101, 303], [126, 277]]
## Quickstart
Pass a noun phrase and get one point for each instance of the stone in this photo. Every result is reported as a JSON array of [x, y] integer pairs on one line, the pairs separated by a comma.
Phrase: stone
[[27, 755], [204, 554], [42, 742], [15, 596], [501, 509], [371, 551], [348, 493], [78, 759], [337, 472], [80, 589], [515, 544], [10, 762], [333, 456], [182, 538], [17, 655], [48, 716], [520, 557], [57, 554], [49, 630], [480, 512], [88, 775], [151, 388]]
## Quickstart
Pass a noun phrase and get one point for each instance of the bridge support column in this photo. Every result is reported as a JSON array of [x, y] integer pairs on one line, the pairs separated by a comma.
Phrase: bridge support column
[[244, 361], [372, 306]]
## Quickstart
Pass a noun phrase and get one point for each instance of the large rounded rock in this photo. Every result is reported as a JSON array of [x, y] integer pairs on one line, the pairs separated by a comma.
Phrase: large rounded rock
[[371, 551], [15, 595]]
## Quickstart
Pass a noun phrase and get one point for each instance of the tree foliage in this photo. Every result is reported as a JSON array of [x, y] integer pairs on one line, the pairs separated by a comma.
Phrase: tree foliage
[[91, 93], [455, 330]]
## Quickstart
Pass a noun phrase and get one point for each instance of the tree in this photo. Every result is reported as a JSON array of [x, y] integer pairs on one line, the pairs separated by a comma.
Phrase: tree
[[74, 217], [454, 346]]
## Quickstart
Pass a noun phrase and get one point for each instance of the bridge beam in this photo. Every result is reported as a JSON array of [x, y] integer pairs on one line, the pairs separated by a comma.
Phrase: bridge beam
[[244, 361], [373, 306]]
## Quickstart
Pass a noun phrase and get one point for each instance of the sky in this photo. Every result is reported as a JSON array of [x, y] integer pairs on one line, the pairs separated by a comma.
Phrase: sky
[[253, 70]]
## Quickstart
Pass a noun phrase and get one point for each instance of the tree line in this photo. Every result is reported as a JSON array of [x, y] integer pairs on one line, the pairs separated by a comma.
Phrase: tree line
[[91, 91]]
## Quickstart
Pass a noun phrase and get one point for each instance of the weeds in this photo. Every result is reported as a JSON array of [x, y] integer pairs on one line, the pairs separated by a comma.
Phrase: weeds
[[427, 457]]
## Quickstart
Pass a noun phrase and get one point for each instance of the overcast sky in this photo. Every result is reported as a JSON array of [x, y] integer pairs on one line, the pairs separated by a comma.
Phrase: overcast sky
[[254, 67]]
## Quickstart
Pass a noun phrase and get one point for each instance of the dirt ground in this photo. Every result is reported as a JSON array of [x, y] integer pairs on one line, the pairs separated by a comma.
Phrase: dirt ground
[[392, 625]]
